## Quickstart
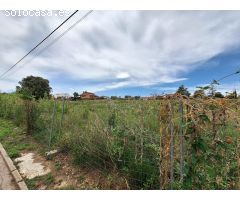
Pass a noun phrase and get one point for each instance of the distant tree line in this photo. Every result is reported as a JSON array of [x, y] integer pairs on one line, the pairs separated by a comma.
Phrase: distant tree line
[[203, 92], [38, 87]]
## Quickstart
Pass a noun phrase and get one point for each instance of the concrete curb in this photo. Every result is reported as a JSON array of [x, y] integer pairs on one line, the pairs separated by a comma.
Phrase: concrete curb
[[17, 177]]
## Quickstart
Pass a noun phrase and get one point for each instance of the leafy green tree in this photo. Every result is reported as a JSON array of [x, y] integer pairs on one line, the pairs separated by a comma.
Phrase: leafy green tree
[[36, 87], [75, 95], [218, 95], [183, 91], [137, 97], [128, 97], [114, 97]]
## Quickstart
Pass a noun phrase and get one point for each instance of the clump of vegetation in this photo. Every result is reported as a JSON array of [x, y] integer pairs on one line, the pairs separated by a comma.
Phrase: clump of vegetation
[[41, 181], [58, 166], [199, 93], [13, 138]]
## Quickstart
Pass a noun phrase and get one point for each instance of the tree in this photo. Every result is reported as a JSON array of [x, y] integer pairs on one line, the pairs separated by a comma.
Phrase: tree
[[34, 86], [212, 89], [232, 95], [75, 95], [114, 97], [218, 95], [137, 97], [183, 91], [199, 93], [128, 97], [235, 94]]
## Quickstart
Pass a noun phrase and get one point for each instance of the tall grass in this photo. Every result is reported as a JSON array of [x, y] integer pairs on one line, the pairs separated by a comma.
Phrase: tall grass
[[140, 139]]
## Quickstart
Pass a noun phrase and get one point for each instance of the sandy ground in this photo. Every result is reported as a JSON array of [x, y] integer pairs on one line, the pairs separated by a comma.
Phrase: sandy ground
[[29, 168]]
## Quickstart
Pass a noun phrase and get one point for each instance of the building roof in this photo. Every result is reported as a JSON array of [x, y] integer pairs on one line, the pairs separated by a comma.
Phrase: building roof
[[88, 95], [61, 95], [86, 92]]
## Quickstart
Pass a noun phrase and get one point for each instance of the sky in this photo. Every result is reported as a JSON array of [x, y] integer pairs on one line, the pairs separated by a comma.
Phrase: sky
[[117, 53]]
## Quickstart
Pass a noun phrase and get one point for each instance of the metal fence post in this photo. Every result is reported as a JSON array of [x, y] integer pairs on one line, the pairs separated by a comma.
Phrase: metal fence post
[[52, 124], [62, 115]]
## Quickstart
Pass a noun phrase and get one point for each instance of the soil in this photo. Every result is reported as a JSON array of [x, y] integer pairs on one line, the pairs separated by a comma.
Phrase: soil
[[84, 178], [67, 175]]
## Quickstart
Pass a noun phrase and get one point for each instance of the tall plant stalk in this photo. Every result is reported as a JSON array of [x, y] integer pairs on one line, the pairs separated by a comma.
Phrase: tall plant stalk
[[181, 140]]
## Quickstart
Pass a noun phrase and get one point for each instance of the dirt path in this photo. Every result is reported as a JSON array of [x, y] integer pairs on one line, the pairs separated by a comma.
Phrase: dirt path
[[6, 179]]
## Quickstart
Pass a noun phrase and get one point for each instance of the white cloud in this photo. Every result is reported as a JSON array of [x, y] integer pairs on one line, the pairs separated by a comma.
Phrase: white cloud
[[115, 49], [123, 75]]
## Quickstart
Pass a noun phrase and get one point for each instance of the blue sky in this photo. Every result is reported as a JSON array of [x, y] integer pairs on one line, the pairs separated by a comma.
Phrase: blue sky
[[213, 69], [125, 52]]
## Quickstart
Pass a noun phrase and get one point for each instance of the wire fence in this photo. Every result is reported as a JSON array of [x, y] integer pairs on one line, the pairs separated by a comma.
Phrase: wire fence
[[173, 143]]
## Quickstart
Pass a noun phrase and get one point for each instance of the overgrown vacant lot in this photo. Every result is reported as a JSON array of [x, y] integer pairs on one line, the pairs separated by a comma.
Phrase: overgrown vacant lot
[[173, 143], [64, 174]]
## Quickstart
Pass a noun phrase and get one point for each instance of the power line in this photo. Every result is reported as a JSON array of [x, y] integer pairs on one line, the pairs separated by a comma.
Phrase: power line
[[237, 72], [216, 82], [39, 43], [59, 37]]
